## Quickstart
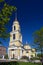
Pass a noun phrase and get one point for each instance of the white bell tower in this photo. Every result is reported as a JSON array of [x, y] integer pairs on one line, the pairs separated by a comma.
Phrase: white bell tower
[[15, 35], [15, 44]]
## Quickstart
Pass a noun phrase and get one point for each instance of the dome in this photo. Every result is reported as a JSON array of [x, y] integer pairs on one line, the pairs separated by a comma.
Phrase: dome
[[27, 46], [16, 22]]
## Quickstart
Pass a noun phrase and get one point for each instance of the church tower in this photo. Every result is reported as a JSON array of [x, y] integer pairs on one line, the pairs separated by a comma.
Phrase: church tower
[[15, 44], [16, 49], [15, 35]]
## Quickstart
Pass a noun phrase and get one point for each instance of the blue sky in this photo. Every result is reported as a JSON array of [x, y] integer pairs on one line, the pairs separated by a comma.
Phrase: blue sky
[[30, 17]]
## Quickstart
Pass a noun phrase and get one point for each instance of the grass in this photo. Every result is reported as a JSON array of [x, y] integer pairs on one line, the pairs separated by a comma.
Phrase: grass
[[19, 63], [28, 63]]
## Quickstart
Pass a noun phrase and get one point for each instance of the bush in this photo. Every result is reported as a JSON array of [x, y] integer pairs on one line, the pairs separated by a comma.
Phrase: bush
[[6, 56], [25, 57], [34, 58], [18, 63], [0, 57], [9, 63]]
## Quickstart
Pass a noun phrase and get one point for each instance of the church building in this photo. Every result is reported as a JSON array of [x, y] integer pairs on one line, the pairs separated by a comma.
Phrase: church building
[[16, 48]]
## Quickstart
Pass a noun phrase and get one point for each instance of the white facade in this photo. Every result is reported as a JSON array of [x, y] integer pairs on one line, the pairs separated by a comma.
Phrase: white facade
[[16, 48], [15, 44]]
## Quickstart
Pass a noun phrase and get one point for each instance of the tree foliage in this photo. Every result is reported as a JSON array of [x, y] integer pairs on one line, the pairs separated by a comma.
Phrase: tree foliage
[[38, 40], [5, 13], [1, 0], [39, 55]]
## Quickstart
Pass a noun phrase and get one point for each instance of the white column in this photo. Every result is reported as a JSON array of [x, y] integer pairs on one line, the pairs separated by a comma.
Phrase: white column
[[29, 57], [3, 57], [8, 52], [20, 53], [18, 57]]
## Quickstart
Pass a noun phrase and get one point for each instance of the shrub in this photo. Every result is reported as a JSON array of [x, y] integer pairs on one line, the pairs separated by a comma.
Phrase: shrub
[[6, 56], [0, 57], [34, 58], [25, 57]]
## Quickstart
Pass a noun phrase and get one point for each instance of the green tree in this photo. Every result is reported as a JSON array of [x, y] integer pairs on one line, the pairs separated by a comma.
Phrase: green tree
[[5, 13], [1, 0], [38, 40], [39, 55]]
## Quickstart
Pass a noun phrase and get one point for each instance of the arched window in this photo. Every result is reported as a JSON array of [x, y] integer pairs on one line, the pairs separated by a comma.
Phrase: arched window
[[13, 36], [14, 27]]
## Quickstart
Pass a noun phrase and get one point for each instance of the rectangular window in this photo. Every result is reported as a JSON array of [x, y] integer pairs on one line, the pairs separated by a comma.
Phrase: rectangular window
[[13, 36]]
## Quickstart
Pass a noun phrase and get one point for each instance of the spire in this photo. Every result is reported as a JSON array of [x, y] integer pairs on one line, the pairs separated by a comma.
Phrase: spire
[[16, 15]]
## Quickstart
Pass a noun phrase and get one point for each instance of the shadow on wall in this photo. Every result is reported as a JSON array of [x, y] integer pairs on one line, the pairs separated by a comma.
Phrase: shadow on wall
[[9, 63]]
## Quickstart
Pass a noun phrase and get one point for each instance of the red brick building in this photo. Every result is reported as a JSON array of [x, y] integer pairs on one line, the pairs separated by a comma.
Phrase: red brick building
[[2, 51]]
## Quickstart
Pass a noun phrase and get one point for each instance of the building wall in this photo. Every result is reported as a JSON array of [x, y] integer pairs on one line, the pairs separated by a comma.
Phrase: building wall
[[14, 53], [2, 50], [16, 43], [33, 53], [28, 51]]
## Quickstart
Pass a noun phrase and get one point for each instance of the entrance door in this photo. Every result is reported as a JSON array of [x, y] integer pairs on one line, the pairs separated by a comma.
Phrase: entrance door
[[13, 56]]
